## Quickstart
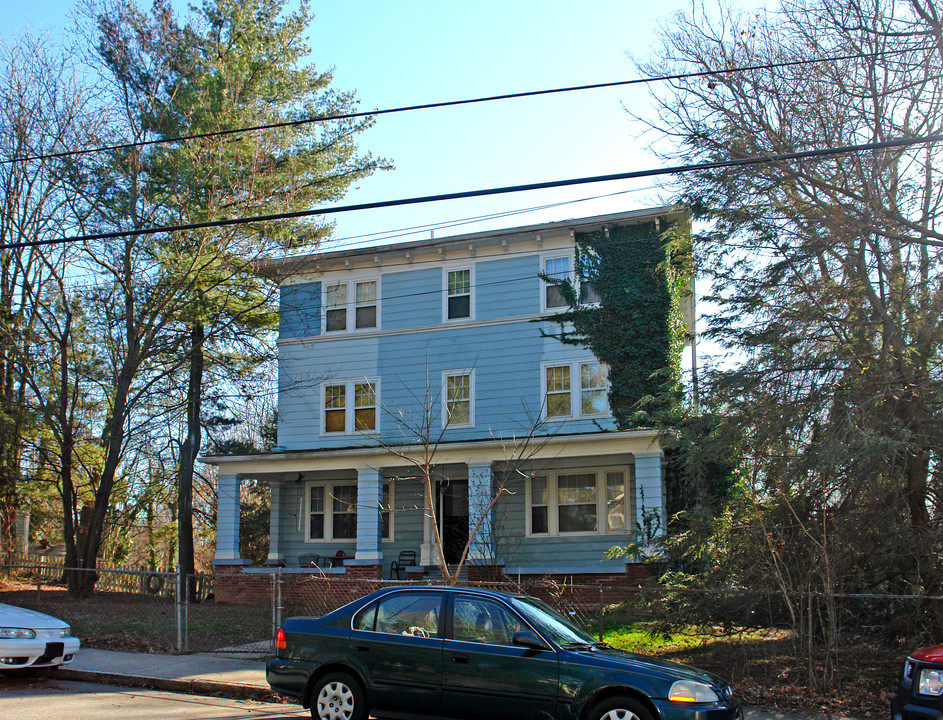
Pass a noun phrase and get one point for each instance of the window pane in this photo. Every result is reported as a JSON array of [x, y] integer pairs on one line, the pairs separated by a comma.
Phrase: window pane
[[367, 293], [558, 391], [459, 282], [558, 270], [577, 488], [334, 421], [337, 296], [344, 504], [483, 621], [588, 293], [615, 500], [365, 419], [337, 320], [458, 399], [577, 518], [576, 498], [366, 317], [593, 389], [385, 512], [317, 499], [538, 491], [335, 396], [459, 307], [316, 512], [538, 520], [365, 400], [409, 614]]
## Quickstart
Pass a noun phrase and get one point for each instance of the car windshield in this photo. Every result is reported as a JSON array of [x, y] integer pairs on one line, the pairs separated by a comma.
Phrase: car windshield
[[552, 624]]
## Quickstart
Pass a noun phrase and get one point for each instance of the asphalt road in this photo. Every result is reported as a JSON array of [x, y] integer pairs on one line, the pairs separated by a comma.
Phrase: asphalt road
[[32, 698]]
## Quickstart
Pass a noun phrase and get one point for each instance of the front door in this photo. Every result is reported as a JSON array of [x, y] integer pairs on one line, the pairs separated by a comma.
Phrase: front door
[[452, 516]]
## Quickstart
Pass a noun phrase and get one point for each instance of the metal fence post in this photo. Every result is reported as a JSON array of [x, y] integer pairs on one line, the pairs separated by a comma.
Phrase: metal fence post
[[179, 611], [602, 609]]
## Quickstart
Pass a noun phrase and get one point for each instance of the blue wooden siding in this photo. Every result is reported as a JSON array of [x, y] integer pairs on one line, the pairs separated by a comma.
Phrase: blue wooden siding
[[299, 312], [411, 299], [507, 287], [506, 359]]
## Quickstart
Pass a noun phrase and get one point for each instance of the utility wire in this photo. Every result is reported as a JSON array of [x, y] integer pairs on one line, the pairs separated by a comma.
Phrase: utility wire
[[674, 170], [467, 101]]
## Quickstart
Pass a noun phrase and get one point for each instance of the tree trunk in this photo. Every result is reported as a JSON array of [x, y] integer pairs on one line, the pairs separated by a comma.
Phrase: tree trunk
[[188, 454]]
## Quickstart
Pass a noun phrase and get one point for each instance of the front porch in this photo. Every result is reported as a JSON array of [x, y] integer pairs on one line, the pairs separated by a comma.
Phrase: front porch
[[358, 511]]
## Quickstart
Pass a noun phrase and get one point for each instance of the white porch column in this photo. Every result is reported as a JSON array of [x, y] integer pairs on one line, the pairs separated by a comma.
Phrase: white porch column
[[227, 522], [481, 549], [649, 492], [428, 554], [275, 554], [369, 501]]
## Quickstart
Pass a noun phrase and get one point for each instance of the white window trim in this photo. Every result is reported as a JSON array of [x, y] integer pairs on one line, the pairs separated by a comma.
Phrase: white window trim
[[392, 504], [575, 388], [351, 308], [471, 397], [602, 517], [349, 409], [570, 255], [328, 486], [452, 267]]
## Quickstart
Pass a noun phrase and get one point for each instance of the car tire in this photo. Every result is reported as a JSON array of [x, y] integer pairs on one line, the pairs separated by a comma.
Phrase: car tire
[[619, 708], [338, 696]]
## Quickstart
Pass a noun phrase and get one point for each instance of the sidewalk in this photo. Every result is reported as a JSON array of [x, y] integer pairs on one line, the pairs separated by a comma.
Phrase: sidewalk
[[241, 678]]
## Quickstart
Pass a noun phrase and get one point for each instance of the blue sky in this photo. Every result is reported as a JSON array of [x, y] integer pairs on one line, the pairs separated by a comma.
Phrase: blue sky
[[410, 52]]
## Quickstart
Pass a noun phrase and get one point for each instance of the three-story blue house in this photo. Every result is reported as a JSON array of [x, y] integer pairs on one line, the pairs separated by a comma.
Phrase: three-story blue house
[[429, 355]]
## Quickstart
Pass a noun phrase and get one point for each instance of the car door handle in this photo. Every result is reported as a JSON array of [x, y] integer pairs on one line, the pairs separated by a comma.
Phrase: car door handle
[[460, 658], [363, 648]]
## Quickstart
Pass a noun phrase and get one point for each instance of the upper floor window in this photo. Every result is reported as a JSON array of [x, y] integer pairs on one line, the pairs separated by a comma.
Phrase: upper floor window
[[557, 270], [350, 305], [575, 389], [578, 502], [458, 303], [458, 398], [350, 406]]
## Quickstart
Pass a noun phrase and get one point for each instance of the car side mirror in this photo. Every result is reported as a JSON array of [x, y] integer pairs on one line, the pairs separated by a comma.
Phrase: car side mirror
[[530, 640]]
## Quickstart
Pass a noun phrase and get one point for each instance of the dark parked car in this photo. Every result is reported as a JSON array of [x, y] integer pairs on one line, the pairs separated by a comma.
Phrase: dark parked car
[[920, 688], [469, 653]]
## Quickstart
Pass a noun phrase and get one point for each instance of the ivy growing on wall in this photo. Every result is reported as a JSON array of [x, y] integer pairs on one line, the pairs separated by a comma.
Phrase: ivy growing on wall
[[639, 274]]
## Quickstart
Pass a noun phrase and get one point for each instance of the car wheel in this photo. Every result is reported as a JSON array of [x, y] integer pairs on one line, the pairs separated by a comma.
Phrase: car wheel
[[620, 708], [337, 696]]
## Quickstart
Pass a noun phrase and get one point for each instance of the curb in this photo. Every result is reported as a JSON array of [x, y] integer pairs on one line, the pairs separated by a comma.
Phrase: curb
[[194, 686]]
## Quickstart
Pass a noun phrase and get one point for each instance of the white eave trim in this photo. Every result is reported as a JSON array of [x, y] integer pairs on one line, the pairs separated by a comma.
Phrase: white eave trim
[[552, 448]]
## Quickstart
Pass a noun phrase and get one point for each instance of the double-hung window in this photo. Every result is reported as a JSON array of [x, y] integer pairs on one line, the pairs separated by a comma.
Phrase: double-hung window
[[557, 271], [332, 511], [458, 398], [458, 294], [577, 389], [350, 305], [569, 502], [349, 406]]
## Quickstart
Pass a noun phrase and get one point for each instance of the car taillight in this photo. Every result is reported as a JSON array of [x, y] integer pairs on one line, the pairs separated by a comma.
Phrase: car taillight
[[280, 642]]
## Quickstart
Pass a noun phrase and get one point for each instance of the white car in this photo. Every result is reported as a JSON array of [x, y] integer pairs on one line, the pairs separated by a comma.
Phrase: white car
[[30, 639]]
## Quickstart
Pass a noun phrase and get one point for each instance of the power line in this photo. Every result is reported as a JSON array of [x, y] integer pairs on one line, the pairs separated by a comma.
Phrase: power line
[[467, 101], [674, 170]]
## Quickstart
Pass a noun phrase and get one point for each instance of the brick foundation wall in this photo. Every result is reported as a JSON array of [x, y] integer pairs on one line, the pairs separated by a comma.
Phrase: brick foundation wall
[[236, 587]]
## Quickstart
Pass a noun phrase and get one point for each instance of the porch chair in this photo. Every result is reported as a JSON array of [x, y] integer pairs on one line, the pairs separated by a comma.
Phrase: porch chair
[[309, 560], [407, 558]]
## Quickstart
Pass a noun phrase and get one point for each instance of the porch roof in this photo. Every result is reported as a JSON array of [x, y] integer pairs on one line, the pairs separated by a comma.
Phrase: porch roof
[[464, 452]]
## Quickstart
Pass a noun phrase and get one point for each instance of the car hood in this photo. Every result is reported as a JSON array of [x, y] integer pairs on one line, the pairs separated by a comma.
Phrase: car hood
[[12, 616], [614, 659], [929, 654]]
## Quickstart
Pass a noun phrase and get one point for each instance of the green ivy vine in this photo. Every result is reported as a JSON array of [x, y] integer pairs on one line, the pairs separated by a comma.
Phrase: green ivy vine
[[641, 273]]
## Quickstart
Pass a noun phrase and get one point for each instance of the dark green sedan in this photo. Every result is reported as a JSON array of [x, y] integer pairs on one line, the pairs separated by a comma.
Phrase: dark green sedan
[[454, 652]]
